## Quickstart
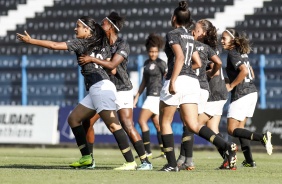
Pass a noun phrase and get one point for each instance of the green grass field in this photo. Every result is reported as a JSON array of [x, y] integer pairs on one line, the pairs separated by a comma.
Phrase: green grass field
[[50, 166]]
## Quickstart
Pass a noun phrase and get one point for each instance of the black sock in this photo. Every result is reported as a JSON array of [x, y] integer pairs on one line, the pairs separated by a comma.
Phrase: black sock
[[188, 144], [220, 150], [146, 141], [246, 149], [159, 136], [182, 150], [168, 142], [210, 136], [123, 145], [80, 138], [90, 146], [244, 133], [139, 147]]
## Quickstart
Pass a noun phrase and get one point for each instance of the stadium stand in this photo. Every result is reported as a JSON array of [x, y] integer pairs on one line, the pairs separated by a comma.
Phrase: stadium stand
[[5, 6], [10, 80], [52, 75], [57, 22], [263, 28]]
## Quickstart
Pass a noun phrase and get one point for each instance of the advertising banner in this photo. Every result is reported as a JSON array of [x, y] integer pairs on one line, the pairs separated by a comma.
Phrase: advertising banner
[[29, 124]]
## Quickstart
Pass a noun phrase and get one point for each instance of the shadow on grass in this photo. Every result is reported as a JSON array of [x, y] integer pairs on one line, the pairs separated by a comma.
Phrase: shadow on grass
[[62, 167]]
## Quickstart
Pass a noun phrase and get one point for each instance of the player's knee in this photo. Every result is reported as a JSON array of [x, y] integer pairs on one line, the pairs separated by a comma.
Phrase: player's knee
[[71, 120], [230, 131]]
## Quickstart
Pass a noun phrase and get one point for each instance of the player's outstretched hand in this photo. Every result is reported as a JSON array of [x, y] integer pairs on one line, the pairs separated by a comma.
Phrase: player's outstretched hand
[[24, 38]]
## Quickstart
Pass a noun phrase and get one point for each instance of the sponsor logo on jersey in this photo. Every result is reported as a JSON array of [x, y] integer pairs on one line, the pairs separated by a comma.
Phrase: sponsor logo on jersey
[[152, 67], [187, 37], [244, 55], [201, 48], [238, 63], [123, 53]]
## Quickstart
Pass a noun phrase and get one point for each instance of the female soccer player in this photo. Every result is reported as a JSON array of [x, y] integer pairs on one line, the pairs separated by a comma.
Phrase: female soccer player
[[152, 80], [90, 39], [243, 93], [112, 24], [207, 55], [182, 88]]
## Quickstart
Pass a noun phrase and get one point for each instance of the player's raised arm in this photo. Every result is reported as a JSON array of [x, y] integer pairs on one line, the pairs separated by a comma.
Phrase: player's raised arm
[[42, 43]]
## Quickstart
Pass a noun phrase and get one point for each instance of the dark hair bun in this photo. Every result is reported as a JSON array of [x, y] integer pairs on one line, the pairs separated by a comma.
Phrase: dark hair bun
[[183, 5]]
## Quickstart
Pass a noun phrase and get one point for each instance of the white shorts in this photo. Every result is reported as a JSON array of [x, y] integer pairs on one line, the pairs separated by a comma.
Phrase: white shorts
[[152, 103], [243, 107], [187, 91], [124, 100], [101, 96], [204, 96], [215, 108]]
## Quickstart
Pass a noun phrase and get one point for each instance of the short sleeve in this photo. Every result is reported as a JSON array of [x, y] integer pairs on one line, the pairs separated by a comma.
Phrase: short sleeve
[[163, 67], [210, 52], [123, 49], [76, 45], [235, 59], [172, 39]]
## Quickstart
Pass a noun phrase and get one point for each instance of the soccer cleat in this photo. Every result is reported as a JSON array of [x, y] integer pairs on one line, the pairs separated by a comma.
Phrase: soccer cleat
[[246, 164], [168, 168], [128, 166], [230, 154], [225, 165], [85, 160], [266, 141], [92, 166], [145, 167], [190, 166], [187, 166]]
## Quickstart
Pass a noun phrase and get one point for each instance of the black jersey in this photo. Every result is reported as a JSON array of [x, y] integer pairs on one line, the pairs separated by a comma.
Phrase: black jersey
[[205, 53], [121, 78], [217, 86], [234, 60], [92, 72], [182, 37], [153, 75]]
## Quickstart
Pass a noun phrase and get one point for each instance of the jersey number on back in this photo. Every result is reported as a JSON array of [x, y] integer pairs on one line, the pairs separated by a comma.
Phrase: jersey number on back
[[249, 77], [189, 50]]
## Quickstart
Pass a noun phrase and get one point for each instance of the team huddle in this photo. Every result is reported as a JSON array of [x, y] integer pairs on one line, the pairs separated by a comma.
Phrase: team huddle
[[193, 85]]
